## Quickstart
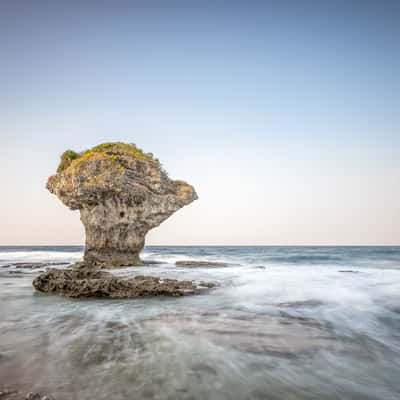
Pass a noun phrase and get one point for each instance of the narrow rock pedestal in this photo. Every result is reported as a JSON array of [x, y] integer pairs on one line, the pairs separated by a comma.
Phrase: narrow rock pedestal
[[121, 193]]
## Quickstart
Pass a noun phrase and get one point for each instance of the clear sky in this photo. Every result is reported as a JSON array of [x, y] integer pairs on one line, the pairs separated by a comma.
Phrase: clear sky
[[284, 115]]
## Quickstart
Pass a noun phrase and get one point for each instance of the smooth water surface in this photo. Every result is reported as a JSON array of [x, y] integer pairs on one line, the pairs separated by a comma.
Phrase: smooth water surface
[[285, 323]]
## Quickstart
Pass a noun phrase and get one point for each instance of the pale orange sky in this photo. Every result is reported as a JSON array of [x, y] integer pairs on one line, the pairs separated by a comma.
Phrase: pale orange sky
[[272, 196]]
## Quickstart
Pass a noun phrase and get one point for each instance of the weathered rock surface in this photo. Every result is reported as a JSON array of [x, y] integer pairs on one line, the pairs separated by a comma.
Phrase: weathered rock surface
[[121, 193], [87, 282]]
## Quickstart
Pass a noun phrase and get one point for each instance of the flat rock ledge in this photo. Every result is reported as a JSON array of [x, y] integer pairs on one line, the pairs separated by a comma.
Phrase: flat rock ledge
[[203, 264], [33, 265], [86, 282]]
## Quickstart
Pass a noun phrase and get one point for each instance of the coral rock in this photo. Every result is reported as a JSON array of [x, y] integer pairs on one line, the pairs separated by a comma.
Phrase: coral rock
[[121, 193], [87, 282]]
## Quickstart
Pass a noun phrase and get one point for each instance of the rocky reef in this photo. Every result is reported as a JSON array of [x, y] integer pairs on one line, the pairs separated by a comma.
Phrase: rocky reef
[[203, 264], [87, 282], [121, 193]]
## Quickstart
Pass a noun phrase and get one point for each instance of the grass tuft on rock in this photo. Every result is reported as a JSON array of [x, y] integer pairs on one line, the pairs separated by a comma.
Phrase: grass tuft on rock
[[66, 158], [110, 150]]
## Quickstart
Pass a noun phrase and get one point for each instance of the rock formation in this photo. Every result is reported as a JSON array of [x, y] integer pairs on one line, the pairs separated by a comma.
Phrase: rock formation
[[121, 193], [88, 282]]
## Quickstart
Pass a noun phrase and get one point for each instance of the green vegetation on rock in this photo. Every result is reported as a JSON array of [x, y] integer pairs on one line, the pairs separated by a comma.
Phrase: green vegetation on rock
[[66, 158], [110, 150], [121, 193]]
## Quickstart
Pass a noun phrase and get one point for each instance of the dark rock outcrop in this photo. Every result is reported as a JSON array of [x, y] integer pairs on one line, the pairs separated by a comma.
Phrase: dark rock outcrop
[[8, 393], [121, 193], [350, 271], [33, 265], [87, 282], [203, 264]]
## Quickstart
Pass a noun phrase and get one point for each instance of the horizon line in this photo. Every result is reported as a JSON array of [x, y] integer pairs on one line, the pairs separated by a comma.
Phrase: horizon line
[[214, 245]]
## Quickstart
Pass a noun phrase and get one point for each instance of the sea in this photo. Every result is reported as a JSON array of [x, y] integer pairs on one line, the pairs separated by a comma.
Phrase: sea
[[287, 323]]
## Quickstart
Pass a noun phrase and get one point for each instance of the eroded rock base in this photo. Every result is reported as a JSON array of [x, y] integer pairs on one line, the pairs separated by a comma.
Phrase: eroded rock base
[[111, 258], [87, 282]]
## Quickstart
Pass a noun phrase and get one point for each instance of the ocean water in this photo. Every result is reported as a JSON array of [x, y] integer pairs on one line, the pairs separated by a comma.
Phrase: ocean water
[[284, 323]]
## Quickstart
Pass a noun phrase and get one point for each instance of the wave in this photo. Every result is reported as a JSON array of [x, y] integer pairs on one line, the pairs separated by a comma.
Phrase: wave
[[39, 256]]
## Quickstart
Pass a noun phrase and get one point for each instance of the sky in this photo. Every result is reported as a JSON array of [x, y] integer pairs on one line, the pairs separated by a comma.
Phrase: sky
[[284, 115]]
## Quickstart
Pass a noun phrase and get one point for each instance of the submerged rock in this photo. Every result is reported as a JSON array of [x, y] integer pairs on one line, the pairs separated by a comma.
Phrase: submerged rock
[[350, 271], [203, 264], [37, 396], [121, 193], [87, 282], [260, 334], [302, 304], [7, 393], [33, 265]]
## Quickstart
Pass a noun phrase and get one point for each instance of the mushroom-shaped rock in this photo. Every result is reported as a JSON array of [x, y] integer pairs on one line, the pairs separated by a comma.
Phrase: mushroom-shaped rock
[[121, 193]]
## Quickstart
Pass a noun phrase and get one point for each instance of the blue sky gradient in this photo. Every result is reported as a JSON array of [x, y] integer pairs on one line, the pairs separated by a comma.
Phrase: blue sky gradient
[[284, 115]]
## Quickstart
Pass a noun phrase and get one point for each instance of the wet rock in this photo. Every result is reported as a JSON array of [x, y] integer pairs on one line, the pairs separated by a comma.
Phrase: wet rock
[[302, 304], [16, 274], [152, 262], [121, 193], [37, 396], [86, 282], [203, 264], [33, 396], [261, 334], [7, 393], [350, 271], [207, 284], [33, 265]]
